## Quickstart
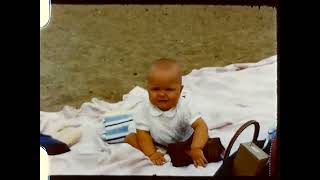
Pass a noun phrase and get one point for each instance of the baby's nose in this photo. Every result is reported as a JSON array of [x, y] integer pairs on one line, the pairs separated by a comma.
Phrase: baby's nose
[[162, 93]]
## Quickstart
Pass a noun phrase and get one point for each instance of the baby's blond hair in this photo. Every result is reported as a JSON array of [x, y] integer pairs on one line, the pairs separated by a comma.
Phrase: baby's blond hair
[[166, 64]]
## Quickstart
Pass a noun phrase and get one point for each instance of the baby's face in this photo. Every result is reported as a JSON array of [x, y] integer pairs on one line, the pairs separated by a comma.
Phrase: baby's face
[[164, 89]]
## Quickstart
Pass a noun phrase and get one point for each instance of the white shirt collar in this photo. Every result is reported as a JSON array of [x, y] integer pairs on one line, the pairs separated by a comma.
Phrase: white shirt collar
[[155, 111]]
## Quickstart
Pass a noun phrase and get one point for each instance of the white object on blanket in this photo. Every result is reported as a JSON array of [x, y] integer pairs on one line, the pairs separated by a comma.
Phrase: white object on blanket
[[66, 132], [69, 135], [228, 97], [44, 164]]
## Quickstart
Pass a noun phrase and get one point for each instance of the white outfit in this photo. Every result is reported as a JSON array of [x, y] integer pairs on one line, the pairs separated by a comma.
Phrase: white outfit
[[169, 126]]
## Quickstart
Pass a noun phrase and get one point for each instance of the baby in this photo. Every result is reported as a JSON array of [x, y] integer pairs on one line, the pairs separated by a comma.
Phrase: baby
[[168, 117]]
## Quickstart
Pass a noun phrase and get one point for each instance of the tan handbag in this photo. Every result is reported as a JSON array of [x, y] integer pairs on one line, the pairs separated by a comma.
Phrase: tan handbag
[[249, 159]]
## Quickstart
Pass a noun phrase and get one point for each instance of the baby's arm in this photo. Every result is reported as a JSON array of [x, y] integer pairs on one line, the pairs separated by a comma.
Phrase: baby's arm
[[148, 148], [200, 138]]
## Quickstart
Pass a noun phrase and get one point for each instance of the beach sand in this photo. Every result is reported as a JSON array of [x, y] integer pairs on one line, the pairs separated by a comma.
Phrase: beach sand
[[104, 51]]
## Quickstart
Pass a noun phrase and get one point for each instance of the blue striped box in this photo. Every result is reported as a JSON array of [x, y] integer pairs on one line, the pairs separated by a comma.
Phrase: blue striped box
[[116, 126]]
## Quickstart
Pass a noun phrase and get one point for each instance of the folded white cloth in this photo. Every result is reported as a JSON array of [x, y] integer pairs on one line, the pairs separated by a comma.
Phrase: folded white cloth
[[68, 132]]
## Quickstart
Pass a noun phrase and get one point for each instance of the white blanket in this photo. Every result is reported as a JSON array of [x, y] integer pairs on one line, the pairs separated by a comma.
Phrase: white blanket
[[227, 96]]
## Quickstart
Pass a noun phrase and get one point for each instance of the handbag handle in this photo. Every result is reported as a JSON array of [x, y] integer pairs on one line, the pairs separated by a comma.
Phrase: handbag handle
[[239, 131]]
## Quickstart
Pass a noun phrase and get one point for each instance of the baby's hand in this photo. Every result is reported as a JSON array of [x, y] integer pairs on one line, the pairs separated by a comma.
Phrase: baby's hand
[[198, 157], [157, 158]]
